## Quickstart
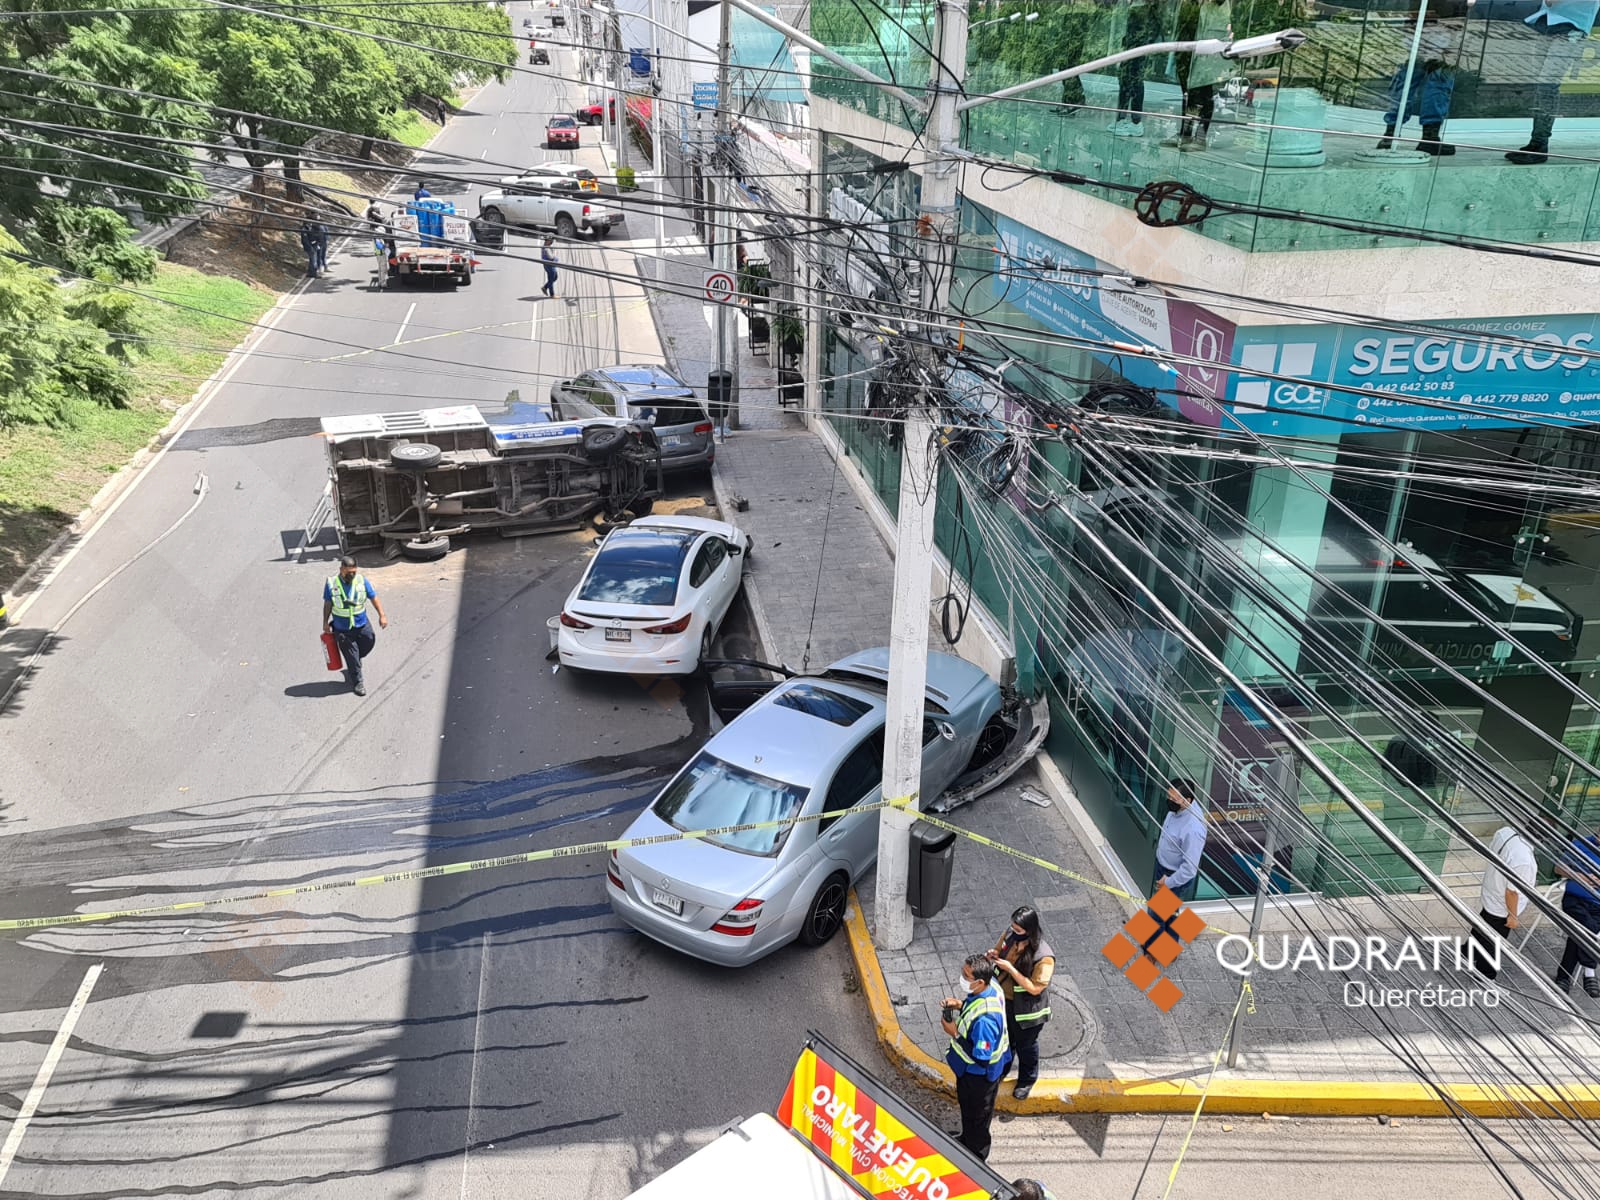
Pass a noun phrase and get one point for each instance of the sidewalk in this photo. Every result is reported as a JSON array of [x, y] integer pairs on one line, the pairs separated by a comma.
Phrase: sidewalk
[[819, 587], [820, 581]]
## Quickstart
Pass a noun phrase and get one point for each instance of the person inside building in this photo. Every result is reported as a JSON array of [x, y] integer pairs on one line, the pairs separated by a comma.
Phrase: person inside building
[[979, 1049], [1560, 29], [1199, 74], [1581, 902], [1024, 964]]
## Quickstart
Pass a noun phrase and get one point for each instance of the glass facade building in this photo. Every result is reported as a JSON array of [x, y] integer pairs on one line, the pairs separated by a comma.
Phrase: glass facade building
[[1313, 506]]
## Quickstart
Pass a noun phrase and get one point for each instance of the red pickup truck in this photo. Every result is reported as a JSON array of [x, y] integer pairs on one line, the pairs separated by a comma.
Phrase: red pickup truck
[[560, 131]]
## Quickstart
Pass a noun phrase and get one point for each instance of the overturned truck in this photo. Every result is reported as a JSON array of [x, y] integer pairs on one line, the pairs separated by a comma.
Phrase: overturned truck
[[409, 482]]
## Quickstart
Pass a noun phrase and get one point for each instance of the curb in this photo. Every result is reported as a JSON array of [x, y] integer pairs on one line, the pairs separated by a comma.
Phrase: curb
[[1233, 1096]]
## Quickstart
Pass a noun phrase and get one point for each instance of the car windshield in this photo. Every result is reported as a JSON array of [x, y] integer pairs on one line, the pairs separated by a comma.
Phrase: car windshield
[[637, 566], [561, 122], [712, 794]]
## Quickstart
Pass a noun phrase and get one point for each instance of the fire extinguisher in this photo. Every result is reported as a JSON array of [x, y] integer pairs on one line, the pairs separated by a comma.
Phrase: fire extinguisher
[[330, 647]]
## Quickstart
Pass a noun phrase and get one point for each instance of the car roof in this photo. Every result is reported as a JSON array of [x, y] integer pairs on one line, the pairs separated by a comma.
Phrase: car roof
[[696, 525], [949, 678], [791, 745], [643, 377], [559, 168]]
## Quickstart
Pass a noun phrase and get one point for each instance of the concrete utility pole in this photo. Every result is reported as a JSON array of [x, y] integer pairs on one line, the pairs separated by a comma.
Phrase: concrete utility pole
[[619, 101], [722, 229], [919, 477]]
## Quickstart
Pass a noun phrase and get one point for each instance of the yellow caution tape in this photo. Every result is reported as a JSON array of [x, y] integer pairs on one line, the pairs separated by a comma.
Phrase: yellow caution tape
[[460, 868], [1055, 868]]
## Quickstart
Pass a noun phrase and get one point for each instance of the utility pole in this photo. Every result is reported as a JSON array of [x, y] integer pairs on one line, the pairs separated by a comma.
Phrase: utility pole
[[937, 225], [721, 221], [619, 63]]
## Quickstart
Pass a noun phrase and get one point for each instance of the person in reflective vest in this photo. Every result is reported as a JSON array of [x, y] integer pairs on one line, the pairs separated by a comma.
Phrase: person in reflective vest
[[1024, 965], [344, 613], [979, 1050]]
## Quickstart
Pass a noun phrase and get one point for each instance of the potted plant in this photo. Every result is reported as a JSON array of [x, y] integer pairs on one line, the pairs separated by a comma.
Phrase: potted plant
[[789, 331], [755, 281]]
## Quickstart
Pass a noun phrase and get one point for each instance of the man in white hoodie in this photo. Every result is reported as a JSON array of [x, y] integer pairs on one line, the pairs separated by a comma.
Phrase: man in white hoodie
[[1503, 897]]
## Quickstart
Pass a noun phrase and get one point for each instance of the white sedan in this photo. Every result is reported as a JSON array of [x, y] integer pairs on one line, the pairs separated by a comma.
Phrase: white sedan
[[653, 597]]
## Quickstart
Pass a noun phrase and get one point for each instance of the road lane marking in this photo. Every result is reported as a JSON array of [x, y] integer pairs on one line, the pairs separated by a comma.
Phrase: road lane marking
[[477, 1051], [207, 392], [58, 1047], [399, 337], [483, 155], [449, 333]]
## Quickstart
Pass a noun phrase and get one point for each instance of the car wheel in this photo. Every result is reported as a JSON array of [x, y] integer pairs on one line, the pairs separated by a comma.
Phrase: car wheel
[[991, 744], [492, 215], [566, 226], [415, 456], [600, 441], [426, 549], [826, 913], [642, 507]]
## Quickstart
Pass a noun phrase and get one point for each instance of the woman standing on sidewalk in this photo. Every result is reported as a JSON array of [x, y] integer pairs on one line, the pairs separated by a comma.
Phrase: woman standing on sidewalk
[[1024, 965]]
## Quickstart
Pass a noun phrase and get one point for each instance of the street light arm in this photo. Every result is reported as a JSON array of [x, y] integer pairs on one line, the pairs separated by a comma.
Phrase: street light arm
[[1268, 43], [817, 48]]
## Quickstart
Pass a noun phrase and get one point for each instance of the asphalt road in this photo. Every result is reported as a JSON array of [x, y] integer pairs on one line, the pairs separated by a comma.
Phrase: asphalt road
[[497, 1034], [181, 739]]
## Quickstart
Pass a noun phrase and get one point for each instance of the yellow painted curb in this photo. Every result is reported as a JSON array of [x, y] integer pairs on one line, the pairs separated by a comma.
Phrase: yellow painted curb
[[1309, 1098]]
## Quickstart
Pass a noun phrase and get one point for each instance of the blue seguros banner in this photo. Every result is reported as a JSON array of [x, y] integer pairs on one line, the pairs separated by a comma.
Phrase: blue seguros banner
[[1418, 380], [1471, 374]]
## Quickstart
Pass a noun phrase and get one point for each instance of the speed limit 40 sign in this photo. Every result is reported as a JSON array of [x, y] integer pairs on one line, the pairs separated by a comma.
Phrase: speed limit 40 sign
[[719, 287]]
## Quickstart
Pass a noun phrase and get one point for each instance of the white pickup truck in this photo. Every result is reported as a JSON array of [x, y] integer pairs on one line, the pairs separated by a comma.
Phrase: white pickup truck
[[544, 201]]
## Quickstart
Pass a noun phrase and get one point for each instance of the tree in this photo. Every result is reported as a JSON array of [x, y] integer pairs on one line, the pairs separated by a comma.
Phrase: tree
[[95, 242], [146, 51]]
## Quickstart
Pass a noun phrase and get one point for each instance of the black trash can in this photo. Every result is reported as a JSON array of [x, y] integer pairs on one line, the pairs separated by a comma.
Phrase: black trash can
[[719, 394], [933, 856]]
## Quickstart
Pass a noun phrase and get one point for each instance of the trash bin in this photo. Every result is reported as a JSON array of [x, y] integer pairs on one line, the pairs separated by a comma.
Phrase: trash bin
[[719, 395], [933, 855]]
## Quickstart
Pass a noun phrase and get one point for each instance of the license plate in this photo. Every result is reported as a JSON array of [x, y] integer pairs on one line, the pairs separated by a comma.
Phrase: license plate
[[673, 904], [673, 441], [619, 635]]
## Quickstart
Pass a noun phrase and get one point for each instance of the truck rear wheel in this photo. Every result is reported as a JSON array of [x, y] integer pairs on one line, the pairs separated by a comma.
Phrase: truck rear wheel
[[492, 215], [566, 226]]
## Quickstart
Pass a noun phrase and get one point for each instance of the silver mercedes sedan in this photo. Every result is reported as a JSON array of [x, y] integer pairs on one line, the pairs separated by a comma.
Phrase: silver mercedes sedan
[[812, 744]]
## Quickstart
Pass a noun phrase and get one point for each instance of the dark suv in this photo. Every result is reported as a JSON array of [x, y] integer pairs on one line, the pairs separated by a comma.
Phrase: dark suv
[[646, 393]]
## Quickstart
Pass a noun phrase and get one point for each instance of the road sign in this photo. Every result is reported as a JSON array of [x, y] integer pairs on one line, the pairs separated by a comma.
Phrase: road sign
[[719, 287]]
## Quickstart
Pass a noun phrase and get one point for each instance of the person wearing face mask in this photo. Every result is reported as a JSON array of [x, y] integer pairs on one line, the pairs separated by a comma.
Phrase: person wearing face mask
[[979, 1049], [1182, 842], [1024, 965], [344, 613]]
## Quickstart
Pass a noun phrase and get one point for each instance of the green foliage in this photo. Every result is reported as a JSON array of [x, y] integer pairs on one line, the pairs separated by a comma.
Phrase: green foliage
[[95, 242], [116, 312], [788, 330], [625, 180], [49, 360], [755, 280]]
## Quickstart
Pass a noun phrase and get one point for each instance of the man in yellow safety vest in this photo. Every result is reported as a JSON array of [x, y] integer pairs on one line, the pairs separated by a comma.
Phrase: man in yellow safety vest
[[344, 613], [980, 1049]]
